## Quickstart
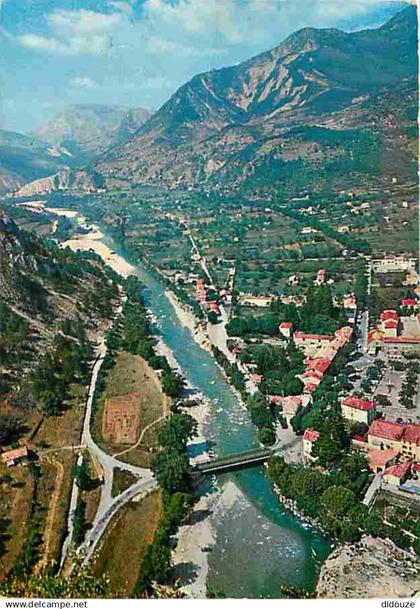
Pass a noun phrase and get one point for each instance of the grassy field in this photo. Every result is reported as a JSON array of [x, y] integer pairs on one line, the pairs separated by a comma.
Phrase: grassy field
[[54, 442], [132, 374], [122, 480], [15, 506], [125, 542]]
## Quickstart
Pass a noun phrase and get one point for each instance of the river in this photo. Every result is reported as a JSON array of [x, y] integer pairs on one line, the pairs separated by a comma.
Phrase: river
[[258, 545]]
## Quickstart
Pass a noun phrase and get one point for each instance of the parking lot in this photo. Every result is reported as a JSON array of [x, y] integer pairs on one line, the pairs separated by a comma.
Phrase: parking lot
[[390, 386]]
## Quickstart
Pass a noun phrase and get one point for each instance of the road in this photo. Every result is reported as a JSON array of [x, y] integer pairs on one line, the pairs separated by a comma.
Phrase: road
[[108, 505], [217, 332], [364, 321], [100, 524], [374, 487]]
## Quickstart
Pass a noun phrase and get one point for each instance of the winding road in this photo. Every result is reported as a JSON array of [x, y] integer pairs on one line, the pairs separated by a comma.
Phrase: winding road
[[108, 505]]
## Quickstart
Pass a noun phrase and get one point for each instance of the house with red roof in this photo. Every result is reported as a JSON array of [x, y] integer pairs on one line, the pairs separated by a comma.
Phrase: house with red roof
[[411, 442], [319, 364], [389, 314], [389, 322], [397, 474], [357, 409], [395, 347], [410, 303], [386, 434], [390, 327], [399, 436], [285, 329], [214, 307], [15, 456], [310, 437], [378, 460], [320, 277], [310, 341], [310, 380]]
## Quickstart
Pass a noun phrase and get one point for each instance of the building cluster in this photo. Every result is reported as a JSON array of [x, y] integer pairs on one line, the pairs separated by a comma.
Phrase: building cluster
[[320, 350], [396, 336], [210, 305], [391, 448]]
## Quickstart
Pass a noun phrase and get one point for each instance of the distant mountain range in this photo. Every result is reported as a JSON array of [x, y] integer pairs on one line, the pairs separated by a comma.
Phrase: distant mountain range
[[321, 108], [24, 158], [228, 126], [87, 130], [75, 137]]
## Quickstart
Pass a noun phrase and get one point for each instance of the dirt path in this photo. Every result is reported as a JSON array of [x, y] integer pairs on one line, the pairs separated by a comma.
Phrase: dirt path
[[55, 497], [130, 448]]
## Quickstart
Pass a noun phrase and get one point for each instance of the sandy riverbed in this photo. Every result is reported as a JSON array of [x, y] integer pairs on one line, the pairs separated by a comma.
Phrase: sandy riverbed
[[188, 319], [190, 557], [92, 241]]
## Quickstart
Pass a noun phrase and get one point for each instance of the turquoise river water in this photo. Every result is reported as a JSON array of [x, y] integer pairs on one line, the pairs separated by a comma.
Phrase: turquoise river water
[[259, 545]]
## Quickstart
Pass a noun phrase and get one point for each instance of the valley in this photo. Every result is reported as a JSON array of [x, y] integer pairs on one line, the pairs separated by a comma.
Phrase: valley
[[232, 276]]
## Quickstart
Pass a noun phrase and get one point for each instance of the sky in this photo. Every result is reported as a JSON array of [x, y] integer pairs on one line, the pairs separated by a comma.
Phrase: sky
[[136, 53]]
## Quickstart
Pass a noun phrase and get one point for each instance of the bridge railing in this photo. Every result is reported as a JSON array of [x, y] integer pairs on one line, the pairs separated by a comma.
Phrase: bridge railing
[[235, 459]]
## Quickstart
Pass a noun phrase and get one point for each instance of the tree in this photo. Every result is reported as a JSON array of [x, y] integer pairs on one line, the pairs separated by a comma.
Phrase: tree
[[176, 432], [81, 474], [337, 500], [266, 436], [171, 469], [259, 410], [155, 567], [212, 317], [11, 427], [80, 583], [172, 383], [79, 522]]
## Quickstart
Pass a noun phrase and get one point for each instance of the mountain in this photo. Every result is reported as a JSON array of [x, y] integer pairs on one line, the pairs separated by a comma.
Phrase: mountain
[[42, 287], [69, 180], [248, 116], [24, 158], [87, 130]]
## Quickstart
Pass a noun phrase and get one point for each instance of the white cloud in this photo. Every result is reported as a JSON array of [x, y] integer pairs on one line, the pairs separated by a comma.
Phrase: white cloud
[[187, 27], [76, 32], [83, 82]]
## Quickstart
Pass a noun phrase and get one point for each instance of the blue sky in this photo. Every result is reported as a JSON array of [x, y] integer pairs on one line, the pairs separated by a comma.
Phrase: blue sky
[[138, 52]]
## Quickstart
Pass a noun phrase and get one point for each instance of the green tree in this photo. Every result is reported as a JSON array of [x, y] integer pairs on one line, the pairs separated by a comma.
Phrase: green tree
[[171, 469], [11, 427], [337, 500], [176, 432], [81, 474]]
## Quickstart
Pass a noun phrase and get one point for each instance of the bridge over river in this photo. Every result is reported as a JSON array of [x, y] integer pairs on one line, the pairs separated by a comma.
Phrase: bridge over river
[[235, 461]]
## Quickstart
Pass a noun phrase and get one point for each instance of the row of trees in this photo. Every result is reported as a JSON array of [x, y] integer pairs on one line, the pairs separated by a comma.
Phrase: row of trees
[[232, 371], [333, 498], [262, 414], [410, 386], [66, 362], [171, 468], [134, 335]]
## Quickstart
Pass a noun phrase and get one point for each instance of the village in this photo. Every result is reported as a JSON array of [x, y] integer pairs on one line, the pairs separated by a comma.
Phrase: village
[[379, 364]]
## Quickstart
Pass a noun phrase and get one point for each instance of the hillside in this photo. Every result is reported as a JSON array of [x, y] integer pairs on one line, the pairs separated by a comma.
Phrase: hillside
[[242, 116], [42, 290], [87, 130], [23, 159]]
